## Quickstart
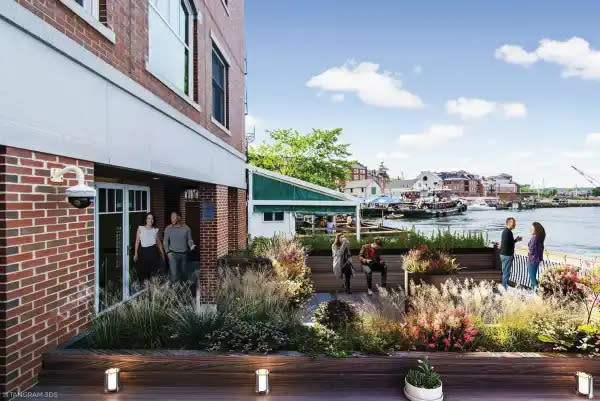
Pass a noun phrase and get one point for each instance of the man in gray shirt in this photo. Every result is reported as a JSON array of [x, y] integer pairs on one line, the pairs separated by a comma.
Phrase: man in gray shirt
[[178, 242]]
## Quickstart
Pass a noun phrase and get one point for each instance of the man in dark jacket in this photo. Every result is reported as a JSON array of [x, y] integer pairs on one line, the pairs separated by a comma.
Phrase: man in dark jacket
[[371, 261], [507, 250]]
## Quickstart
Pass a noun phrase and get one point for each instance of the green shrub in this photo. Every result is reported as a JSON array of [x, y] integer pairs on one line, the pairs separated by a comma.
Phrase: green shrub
[[145, 322], [192, 328], [237, 335], [507, 337], [336, 315], [444, 240], [429, 261], [424, 376]]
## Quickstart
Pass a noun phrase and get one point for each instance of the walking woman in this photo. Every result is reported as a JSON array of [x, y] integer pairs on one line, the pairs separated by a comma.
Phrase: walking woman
[[536, 251], [342, 260], [148, 250]]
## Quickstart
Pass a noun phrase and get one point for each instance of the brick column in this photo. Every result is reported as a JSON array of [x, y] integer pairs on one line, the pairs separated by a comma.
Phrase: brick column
[[214, 237], [46, 263], [237, 219]]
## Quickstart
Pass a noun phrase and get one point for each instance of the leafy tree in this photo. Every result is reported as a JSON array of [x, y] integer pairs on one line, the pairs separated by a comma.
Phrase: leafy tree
[[596, 191], [525, 188], [316, 157]]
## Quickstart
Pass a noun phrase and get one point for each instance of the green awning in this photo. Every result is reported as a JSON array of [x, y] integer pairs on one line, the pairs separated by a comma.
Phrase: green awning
[[264, 188], [305, 209]]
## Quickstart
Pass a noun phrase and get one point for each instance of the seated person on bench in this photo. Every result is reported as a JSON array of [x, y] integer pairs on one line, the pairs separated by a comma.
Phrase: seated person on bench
[[371, 261]]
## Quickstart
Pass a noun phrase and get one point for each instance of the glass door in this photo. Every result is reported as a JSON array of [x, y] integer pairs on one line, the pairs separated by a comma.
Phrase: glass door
[[120, 209]]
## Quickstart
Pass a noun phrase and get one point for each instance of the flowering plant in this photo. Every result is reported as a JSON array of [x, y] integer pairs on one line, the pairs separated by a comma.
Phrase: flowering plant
[[562, 281], [443, 330], [430, 261]]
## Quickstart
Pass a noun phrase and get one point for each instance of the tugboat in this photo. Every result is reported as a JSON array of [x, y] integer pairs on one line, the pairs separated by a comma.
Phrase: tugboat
[[433, 208]]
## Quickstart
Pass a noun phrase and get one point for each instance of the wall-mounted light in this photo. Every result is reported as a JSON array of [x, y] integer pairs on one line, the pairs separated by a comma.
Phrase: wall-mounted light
[[112, 380], [585, 384], [262, 381]]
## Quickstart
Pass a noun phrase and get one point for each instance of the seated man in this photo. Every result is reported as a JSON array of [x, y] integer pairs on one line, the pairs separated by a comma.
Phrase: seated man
[[371, 261]]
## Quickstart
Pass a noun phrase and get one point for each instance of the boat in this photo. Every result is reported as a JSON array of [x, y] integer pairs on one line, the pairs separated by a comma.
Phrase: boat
[[479, 205], [433, 209]]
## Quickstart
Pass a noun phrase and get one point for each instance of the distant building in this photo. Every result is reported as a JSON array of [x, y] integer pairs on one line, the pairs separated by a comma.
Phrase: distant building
[[500, 185], [428, 181], [363, 188], [397, 187], [358, 172], [462, 183]]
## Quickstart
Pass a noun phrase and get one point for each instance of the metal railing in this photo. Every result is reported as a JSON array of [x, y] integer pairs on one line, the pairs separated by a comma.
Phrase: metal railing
[[519, 274]]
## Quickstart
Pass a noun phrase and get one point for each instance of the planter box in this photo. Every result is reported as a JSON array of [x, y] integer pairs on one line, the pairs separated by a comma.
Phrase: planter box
[[296, 372]]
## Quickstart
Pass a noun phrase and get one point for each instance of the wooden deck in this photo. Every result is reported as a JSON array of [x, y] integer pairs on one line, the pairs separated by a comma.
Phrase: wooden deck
[[478, 266], [190, 375], [534, 392]]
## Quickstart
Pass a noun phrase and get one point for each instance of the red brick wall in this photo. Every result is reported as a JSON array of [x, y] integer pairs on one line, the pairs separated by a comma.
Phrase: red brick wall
[[237, 219], [46, 262], [129, 20], [214, 238]]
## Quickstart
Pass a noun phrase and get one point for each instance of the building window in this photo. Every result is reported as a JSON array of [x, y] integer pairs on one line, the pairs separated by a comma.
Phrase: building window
[[362, 190], [373, 191], [91, 7], [273, 216], [220, 71], [171, 43]]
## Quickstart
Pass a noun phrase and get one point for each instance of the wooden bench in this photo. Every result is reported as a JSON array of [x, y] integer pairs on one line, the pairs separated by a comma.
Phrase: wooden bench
[[475, 266]]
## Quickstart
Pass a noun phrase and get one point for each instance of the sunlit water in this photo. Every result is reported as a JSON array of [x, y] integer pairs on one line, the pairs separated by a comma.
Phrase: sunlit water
[[574, 230]]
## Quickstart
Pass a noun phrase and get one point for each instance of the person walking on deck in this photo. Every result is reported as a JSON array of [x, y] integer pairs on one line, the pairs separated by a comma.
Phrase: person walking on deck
[[342, 260], [507, 250], [536, 252], [371, 261], [177, 243]]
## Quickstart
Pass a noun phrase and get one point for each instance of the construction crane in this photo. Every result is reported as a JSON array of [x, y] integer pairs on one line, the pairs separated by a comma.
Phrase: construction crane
[[588, 178]]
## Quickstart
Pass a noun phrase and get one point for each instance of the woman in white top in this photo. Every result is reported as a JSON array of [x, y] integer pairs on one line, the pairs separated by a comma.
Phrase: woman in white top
[[342, 260], [148, 250]]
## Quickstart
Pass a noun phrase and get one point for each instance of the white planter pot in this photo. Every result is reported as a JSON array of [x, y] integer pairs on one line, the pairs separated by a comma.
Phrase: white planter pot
[[422, 394]]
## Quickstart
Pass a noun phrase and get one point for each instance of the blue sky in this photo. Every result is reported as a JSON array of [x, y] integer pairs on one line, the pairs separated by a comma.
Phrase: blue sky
[[505, 86]]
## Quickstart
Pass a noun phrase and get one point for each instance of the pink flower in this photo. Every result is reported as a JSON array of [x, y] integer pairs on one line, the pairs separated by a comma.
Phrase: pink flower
[[431, 345], [446, 341]]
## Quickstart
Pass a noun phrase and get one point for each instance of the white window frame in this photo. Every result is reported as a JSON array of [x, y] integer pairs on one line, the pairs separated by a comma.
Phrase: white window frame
[[189, 98], [125, 245], [273, 221], [90, 13]]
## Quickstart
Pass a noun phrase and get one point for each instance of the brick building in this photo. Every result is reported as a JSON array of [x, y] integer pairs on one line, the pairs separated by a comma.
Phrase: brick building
[[147, 98]]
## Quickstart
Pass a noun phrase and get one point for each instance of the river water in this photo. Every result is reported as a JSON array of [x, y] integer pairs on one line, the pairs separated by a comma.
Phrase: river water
[[574, 230]]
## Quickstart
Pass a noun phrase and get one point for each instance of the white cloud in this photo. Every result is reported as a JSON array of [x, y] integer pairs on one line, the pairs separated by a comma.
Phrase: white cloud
[[593, 139], [521, 155], [513, 110], [472, 108], [391, 155], [515, 55], [492, 141], [337, 97], [380, 89], [251, 121], [418, 69], [575, 55], [436, 134], [580, 155]]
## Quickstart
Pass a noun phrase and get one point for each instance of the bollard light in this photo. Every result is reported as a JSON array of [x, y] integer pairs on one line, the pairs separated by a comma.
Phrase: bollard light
[[262, 381], [585, 384], [112, 380]]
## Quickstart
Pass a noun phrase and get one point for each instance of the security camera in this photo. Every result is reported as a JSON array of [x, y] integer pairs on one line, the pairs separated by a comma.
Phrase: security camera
[[80, 196]]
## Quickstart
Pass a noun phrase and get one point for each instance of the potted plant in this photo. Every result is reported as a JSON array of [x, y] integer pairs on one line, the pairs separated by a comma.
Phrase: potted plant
[[423, 383], [430, 266]]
